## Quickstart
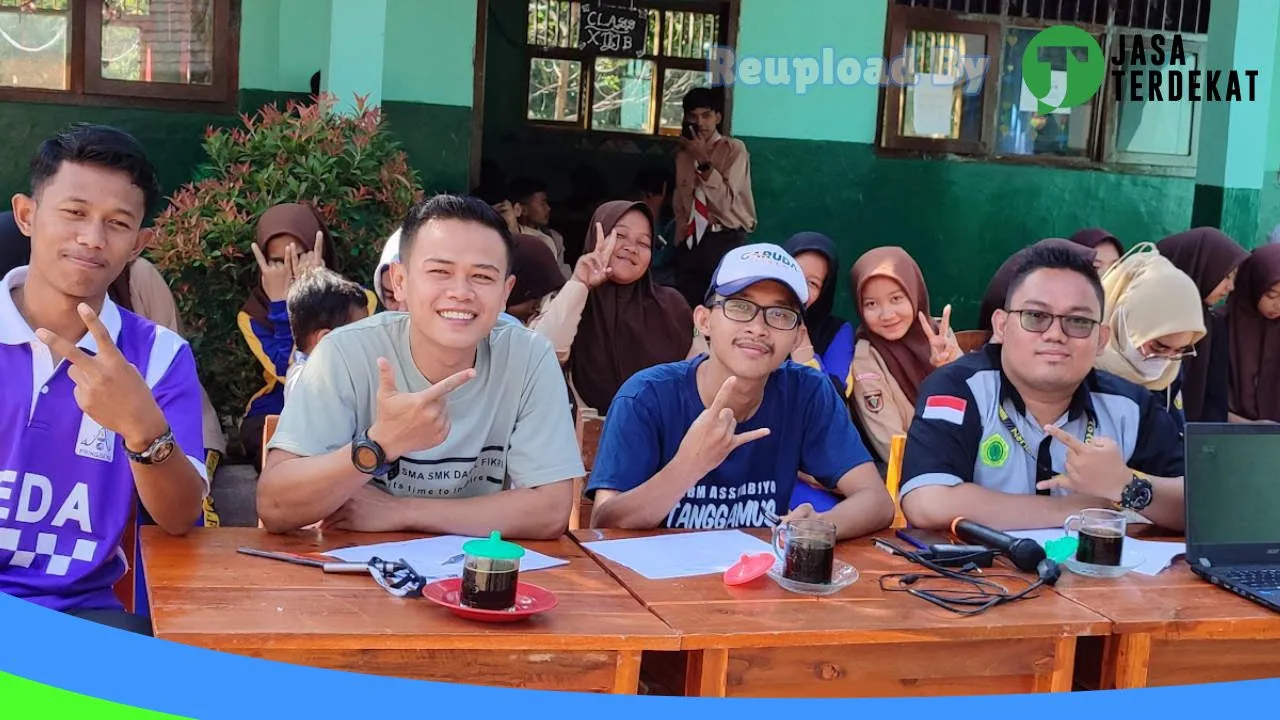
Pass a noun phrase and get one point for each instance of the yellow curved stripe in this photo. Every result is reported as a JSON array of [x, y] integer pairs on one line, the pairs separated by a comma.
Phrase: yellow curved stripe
[[255, 346]]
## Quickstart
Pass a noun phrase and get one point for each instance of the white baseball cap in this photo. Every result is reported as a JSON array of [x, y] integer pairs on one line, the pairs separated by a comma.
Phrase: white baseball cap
[[747, 265]]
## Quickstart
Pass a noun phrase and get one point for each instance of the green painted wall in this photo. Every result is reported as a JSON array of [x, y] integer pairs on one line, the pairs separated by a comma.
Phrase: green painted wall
[[1269, 211], [303, 43], [173, 140], [260, 45], [832, 112], [353, 68], [430, 51]]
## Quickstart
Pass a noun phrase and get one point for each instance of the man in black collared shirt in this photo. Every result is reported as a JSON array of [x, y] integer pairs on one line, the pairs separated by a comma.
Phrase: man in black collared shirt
[[1025, 433]]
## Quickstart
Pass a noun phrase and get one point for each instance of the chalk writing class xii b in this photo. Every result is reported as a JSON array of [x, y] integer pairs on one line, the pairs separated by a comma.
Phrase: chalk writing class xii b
[[1173, 79]]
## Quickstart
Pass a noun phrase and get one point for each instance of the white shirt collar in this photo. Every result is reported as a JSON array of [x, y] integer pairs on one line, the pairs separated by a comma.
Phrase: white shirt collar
[[15, 331]]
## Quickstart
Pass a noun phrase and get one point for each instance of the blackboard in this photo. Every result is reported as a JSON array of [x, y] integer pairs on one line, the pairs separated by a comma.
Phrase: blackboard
[[613, 29]]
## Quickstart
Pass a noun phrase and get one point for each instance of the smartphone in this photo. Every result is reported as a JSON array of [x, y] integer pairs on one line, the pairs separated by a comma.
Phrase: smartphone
[[688, 131], [920, 539]]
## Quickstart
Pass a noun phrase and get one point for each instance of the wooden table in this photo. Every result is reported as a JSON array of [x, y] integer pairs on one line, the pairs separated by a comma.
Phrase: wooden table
[[204, 593], [759, 640], [1173, 629]]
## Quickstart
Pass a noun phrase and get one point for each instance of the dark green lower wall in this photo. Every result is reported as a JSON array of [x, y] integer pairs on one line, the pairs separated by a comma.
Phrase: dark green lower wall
[[1232, 210], [959, 219], [436, 138], [172, 139], [1268, 205]]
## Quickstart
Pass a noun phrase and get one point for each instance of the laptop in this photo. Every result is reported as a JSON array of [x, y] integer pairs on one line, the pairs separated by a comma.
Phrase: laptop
[[1233, 507]]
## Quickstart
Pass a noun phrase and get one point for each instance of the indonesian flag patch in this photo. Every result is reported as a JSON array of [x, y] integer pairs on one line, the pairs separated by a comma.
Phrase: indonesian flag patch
[[945, 407]]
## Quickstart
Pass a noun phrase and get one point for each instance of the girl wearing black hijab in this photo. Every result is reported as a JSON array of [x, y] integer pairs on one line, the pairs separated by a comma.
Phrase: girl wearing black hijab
[[830, 347], [1211, 259]]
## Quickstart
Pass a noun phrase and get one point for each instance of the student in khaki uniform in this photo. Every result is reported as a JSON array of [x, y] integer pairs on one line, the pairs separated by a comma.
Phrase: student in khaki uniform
[[897, 344]]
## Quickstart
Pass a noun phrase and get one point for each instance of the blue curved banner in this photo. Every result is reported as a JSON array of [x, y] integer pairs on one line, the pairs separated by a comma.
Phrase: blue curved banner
[[99, 662]]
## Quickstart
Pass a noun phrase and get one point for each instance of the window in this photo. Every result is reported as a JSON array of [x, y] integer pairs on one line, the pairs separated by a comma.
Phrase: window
[[641, 93], [136, 52], [930, 105]]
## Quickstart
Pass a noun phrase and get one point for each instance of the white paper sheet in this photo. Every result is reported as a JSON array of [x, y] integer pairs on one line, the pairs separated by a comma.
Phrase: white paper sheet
[[429, 556], [933, 106], [661, 557], [1156, 554]]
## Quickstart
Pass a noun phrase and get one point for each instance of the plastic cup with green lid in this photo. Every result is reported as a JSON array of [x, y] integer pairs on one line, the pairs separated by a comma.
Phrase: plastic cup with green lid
[[490, 573]]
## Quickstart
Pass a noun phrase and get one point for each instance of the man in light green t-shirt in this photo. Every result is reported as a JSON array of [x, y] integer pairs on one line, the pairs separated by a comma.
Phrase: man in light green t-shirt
[[431, 420]]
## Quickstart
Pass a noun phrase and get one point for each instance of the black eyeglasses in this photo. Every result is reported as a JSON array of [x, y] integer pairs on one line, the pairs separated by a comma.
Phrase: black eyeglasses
[[744, 311], [1039, 321]]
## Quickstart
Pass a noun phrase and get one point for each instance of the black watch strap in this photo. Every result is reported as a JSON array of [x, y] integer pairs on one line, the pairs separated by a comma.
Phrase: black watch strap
[[368, 456], [157, 452], [1137, 494]]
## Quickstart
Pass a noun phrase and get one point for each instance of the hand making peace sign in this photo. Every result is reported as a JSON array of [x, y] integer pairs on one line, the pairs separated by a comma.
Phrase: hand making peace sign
[[278, 277], [109, 389], [942, 344], [1095, 468], [711, 437], [593, 268], [412, 421]]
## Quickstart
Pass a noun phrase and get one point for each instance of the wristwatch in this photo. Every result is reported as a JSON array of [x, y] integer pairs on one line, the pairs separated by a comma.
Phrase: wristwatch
[[157, 452], [369, 457], [1137, 494]]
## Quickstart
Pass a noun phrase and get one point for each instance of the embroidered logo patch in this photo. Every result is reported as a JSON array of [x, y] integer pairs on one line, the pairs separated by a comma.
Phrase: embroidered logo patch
[[874, 401], [994, 451], [95, 441]]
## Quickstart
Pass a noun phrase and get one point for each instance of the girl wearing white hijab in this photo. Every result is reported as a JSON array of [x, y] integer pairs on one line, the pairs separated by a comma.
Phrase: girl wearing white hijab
[[1155, 314], [390, 254]]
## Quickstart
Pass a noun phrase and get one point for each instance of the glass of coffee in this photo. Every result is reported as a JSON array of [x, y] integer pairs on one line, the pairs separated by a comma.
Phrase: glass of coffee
[[808, 550], [490, 573], [1101, 536]]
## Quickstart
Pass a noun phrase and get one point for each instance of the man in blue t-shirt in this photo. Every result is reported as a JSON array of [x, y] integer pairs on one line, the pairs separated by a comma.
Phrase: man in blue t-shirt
[[718, 441]]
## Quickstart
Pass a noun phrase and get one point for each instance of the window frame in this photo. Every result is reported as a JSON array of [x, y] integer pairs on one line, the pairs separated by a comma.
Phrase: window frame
[[727, 12], [87, 87], [1111, 152], [894, 97], [1102, 154]]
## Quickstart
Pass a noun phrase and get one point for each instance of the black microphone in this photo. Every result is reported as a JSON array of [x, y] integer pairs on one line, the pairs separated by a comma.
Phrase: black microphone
[[1025, 553]]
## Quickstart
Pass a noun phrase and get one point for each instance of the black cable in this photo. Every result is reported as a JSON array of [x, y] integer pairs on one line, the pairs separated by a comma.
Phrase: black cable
[[982, 595]]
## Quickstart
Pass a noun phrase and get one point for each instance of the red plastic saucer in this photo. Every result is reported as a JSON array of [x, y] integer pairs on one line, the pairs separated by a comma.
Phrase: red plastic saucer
[[530, 600], [748, 568]]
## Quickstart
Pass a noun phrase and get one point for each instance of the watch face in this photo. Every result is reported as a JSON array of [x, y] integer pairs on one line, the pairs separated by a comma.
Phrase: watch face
[[162, 453], [1138, 495], [365, 458]]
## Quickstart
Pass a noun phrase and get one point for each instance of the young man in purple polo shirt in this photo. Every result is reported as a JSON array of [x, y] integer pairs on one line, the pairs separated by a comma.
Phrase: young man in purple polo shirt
[[99, 408]]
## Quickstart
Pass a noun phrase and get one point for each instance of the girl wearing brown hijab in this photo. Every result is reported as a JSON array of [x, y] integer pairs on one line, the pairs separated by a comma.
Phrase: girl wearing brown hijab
[[1253, 320], [538, 277], [897, 344], [1107, 248], [1210, 259], [998, 288], [610, 320], [290, 238]]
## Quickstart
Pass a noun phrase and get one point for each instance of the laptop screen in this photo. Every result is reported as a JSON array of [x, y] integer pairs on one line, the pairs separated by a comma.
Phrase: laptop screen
[[1233, 484]]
